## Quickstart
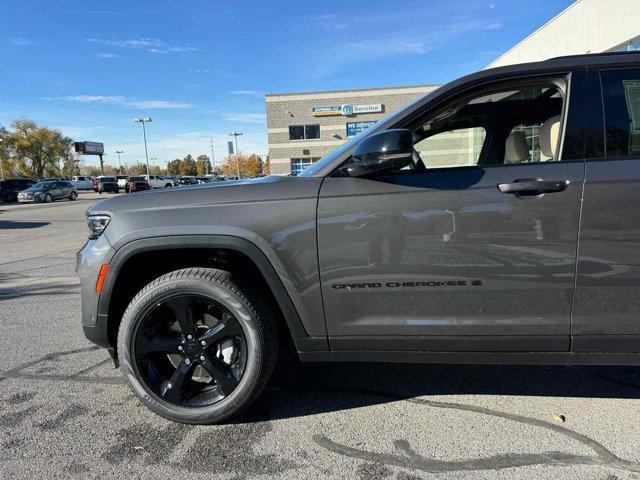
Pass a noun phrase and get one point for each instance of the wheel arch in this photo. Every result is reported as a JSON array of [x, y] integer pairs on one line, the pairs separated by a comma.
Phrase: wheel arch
[[193, 250]]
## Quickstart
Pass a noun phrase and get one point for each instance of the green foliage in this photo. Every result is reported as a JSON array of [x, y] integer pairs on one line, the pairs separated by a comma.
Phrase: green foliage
[[37, 151], [203, 165], [173, 167], [188, 166]]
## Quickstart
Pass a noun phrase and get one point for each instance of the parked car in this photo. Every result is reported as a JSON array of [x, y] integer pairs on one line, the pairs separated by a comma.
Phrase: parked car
[[187, 180], [48, 192], [136, 184], [82, 182], [108, 184], [10, 187], [122, 180], [204, 179], [158, 181], [446, 232]]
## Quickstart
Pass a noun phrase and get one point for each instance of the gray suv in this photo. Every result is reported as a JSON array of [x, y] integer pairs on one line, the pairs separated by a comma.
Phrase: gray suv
[[495, 220]]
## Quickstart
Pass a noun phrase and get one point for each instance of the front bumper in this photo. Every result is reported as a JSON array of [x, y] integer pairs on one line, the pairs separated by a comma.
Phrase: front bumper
[[28, 199], [89, 260]]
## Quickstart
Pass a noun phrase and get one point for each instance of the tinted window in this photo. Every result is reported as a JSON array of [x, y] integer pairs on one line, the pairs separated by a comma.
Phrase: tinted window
[[304, 132], [311, 131], [621, 97], [296, 132]]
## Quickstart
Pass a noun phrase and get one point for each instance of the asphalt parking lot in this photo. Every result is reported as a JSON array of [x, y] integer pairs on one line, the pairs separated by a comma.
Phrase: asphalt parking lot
[[65, 411]]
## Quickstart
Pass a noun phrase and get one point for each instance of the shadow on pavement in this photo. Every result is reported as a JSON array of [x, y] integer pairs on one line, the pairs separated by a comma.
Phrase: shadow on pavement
[[309, 389], [17, 225]]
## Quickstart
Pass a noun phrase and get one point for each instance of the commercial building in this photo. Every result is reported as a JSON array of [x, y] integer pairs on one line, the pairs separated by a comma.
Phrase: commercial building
[[585, 26], [303, 127]]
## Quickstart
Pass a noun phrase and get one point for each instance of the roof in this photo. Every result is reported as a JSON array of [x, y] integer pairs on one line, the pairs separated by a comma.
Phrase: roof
[[353, 90]]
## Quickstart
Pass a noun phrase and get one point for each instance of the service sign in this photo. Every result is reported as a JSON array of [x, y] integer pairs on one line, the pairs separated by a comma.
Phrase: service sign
[[371, 108], [354, 128], [326, 111]]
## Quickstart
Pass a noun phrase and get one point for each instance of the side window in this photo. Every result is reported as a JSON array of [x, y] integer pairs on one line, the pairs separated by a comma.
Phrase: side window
[[621, 98], [455, 148], [513, 125]]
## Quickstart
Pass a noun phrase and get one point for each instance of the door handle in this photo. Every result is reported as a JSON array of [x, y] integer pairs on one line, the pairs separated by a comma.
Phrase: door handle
[[533, 186]]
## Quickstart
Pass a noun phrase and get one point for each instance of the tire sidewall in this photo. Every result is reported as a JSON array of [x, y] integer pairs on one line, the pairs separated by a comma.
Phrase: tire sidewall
[[254, 346]]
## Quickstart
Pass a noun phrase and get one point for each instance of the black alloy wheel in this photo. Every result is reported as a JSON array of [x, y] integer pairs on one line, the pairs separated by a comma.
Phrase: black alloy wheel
[[190, 350], [48, 198]]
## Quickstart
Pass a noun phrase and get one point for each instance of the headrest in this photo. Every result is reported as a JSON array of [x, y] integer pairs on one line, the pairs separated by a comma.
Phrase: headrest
[[548, 136], [515, 148]]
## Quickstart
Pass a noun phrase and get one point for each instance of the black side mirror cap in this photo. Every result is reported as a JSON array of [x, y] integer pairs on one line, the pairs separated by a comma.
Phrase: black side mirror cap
[[387, 150]]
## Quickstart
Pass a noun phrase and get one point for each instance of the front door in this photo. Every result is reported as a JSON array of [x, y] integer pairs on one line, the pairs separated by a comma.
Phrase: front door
[[476, 251]]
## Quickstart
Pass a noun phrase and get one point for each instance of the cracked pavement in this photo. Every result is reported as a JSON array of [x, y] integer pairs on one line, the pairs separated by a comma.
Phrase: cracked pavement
[[65, 411]]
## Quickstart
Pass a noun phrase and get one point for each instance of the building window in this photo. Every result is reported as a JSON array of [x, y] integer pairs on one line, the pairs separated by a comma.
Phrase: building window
[[299, 164], [304, 132]]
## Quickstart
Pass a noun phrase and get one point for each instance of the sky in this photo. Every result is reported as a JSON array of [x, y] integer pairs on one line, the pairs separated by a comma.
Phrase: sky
[[200, 69]]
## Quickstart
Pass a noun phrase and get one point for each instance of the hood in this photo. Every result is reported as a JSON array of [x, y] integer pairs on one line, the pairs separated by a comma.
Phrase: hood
[[203, 195], [32, 190]]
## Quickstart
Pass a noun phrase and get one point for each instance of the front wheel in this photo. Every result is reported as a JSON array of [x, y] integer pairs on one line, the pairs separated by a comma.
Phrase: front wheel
[[73, 196], [48, 198], [197, 345], [168, 185]]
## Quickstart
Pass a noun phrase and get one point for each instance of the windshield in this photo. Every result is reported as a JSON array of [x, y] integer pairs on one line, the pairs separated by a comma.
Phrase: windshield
[[136, 179], [42, 185], [107, 179]]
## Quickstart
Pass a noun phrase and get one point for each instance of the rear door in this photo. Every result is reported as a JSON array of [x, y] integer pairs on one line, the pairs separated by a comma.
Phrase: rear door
[[444, 259], [607, 302]]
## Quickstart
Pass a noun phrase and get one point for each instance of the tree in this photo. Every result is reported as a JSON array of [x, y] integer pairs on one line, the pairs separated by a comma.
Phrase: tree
[[71, 166], [173, 167], [203, 165], [37, 150], [188, 166], [90, 170], [249, 165]]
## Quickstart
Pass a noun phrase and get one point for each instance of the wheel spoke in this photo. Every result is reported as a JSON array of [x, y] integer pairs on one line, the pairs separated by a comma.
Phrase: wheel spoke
[[183, 311], [221, 373], [171, 389], [157, 344], [228, 327]]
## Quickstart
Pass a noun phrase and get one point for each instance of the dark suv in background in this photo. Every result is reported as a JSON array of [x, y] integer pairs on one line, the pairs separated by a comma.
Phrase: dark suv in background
[[495, 220], [9, 188]]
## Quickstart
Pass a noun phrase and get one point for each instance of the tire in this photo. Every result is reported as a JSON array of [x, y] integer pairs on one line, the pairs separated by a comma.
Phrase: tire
[[48, 198], [73, 196], [232, 294], [168, 185]]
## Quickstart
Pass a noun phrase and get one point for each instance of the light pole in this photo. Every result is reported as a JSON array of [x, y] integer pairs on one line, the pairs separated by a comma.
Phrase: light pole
[[236, 135], [1, 160], [144, 135], [119, 163], [213, 160]]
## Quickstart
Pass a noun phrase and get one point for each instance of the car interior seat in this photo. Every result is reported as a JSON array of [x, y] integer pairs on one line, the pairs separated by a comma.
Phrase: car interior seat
[[548, 137], [516, 149]]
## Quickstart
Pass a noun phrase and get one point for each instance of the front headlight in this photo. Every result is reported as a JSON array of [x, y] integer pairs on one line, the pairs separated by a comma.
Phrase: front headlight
[[97, 224]]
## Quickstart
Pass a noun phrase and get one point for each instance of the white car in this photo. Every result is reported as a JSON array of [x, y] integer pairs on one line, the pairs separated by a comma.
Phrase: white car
[[122, 180], [157, 181], [82, 182]]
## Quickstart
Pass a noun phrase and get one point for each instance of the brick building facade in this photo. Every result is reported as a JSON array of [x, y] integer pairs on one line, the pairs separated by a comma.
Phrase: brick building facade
[[303, 127]]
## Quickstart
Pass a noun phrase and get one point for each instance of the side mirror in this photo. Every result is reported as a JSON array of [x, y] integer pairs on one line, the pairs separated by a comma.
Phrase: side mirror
[[388, 150]]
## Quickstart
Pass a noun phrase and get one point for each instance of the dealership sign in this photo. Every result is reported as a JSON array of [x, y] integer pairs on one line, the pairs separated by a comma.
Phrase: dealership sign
[[354, 128], [346, 109], [326, 111]]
